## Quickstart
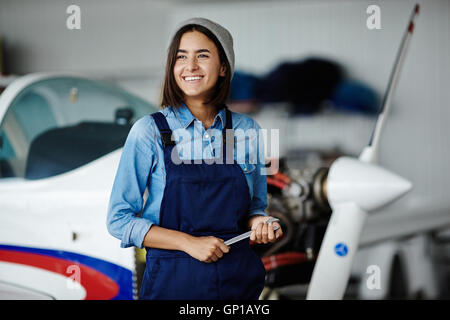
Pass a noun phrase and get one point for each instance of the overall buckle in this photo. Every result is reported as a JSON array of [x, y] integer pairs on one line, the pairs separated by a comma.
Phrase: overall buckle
[[166, 138]]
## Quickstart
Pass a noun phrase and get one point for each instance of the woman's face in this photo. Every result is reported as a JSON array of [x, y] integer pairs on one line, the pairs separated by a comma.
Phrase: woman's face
[[197, 66]]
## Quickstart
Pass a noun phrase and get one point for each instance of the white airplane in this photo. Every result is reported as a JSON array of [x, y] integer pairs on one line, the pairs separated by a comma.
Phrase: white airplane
[[61, 139]]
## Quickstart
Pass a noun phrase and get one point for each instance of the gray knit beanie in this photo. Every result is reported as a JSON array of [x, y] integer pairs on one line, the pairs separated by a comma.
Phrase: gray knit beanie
[[222, 34]]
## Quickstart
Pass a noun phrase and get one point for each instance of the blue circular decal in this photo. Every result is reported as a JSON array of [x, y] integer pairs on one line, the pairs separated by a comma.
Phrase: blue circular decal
[[341, 249]]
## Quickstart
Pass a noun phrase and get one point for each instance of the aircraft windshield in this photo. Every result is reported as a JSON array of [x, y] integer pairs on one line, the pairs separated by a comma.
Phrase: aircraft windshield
[[58, 124]]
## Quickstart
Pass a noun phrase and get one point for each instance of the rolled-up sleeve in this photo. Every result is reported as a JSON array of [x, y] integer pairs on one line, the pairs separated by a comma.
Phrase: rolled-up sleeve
[[126, 200], [258, 202]]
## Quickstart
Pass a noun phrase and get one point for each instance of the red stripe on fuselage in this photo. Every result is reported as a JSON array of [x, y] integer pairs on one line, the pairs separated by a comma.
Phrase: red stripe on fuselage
[[97, 285]]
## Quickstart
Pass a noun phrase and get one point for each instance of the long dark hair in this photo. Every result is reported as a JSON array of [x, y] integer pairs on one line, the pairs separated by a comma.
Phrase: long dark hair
[[172, 94]]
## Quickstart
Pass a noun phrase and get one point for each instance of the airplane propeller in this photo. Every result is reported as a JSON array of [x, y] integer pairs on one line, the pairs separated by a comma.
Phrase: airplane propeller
[[354, 188]]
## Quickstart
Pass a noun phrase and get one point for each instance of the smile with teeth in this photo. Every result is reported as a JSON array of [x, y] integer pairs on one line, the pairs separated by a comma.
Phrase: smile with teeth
[[192, 78]]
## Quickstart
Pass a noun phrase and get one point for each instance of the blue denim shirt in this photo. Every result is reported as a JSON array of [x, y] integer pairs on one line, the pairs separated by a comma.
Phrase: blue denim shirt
[[142, 166]]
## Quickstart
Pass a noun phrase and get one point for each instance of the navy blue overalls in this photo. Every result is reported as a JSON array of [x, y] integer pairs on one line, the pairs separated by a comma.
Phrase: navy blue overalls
[[202, 200]]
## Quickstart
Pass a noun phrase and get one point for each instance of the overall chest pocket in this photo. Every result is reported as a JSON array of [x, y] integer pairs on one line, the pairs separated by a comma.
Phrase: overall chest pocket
[[208, 206]]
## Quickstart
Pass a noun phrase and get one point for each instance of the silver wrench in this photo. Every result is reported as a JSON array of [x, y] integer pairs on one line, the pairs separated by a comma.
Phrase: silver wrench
[[248, 233]]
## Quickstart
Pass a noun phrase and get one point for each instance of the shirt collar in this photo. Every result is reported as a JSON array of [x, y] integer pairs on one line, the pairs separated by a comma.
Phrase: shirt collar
[[186, 117]]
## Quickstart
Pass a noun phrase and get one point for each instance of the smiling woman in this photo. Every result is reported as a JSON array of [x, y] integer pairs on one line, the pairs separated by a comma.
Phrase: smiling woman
[[193, 208]]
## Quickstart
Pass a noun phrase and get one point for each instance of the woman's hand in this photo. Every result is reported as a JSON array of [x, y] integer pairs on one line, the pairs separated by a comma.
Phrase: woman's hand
[[263, 232], [206, 249]]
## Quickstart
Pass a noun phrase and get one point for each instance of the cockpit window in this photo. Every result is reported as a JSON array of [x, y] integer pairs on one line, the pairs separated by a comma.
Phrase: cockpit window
[[59, 124]]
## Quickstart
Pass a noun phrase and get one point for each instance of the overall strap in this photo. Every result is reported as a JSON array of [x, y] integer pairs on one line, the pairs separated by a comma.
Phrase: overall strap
[[228, 121], [228, 135], [164, 129]]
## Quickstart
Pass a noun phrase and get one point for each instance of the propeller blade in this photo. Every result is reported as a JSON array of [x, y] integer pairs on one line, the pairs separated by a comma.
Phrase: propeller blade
[[333, 265], [370, 152]]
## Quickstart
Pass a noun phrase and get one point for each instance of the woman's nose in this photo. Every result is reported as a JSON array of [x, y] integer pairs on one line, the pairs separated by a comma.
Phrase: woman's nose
[[192, 65]]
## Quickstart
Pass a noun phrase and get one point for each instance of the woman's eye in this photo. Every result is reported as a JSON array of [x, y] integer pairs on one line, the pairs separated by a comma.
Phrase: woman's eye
[[183, 57]]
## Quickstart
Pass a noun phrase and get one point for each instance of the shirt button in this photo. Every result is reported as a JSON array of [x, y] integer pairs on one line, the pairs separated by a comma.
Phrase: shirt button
[[206, 136]]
